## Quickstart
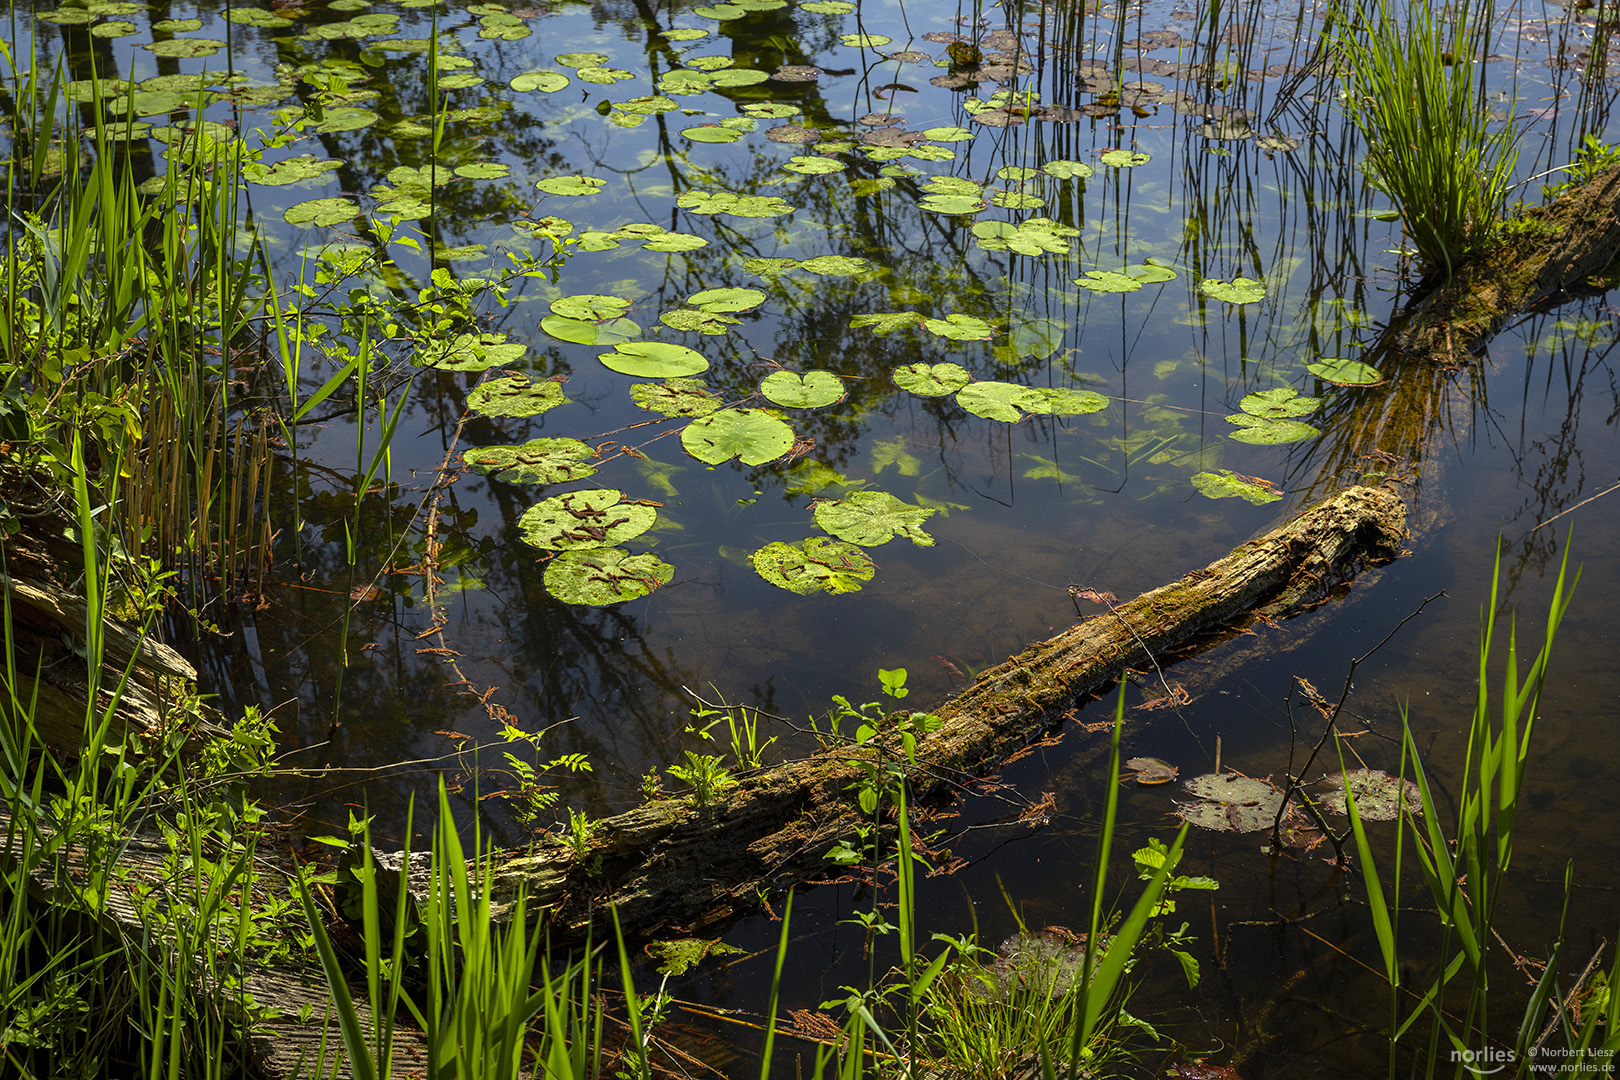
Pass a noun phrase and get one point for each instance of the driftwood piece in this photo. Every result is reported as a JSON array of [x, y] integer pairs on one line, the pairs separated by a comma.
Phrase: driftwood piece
[[670, 866], [1551, 248]]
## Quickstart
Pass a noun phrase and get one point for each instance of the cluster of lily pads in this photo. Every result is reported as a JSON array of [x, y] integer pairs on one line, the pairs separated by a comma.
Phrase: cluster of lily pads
[[1232, 802]]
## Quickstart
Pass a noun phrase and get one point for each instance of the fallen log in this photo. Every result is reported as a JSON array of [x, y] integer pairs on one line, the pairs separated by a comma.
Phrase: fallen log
[[1545, 251], [673, 867]]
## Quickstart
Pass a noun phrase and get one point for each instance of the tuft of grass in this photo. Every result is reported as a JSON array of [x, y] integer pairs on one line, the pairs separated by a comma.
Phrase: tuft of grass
[[1414, 88]]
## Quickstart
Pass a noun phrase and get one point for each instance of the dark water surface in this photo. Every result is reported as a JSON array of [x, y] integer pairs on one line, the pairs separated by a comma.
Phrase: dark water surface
[[1023, 509]]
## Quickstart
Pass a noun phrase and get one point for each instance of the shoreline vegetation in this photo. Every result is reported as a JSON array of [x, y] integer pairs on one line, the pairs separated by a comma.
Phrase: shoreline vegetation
[[142, 900]]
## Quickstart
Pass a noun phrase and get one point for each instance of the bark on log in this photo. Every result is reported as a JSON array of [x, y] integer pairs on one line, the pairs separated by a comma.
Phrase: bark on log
[[671, 867], [1551, 248]]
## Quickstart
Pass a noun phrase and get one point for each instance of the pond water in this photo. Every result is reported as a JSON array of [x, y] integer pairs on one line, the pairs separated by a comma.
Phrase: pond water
[[888, 210]]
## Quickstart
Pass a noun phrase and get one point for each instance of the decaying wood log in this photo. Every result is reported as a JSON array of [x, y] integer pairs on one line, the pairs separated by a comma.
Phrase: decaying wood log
[[670, 866], [1550, 248]]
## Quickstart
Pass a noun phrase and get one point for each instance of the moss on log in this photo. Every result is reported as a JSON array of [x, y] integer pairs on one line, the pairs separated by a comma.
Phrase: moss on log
[[1546, 250], [673, 867]]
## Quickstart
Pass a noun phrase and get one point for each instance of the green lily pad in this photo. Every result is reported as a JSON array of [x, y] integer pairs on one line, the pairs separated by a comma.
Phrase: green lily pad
[[958, 327], [586, 332], [1033, 236], [813, 166], [1125, 159], [544, 82], [865, 41], [605, 76], [253, 16], [828, 7], [538, 461], [654, 360], [591, 518], [999, 400], [1062, 401], [712, 133], [675, 397], [1240, 290], [590, 306], [951, 204], [947, 134], [765, 267], [1017, 200], [515, 394], [726, 202], [483, 170], [603, 576], [469, 352], [692, 320], [727, 299], [1278, 403], [684, 33], [1259, 432], [837, 265], [812, 391], [1067, 170], [333, 211], [1378, 794], [756, 436], [1150, 273], [720, 12], [649, 105], [1226, 484], [571, 185], [346, 118], [1343, 372], [931, 380], [871, 518], [183, 48], [289, 171], [732, 78], [1107, 281], [577, 60], [818, 564]]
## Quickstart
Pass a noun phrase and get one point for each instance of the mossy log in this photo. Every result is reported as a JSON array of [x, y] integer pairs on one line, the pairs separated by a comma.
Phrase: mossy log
[[672, 867], [1547, 250]]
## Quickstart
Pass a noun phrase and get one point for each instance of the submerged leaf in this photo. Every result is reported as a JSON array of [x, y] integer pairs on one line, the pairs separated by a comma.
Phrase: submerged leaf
[[818, 564], [591, 518], [604, 576], [538, 461], [813, 391], [870, 518], [756, 436], [886, 322]]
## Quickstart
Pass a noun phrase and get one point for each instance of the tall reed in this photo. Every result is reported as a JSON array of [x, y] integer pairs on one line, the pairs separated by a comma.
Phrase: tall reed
[[1413, 76]]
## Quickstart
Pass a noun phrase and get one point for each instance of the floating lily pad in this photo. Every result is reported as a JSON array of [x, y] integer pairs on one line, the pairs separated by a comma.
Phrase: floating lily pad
[[1278, 403], [1067, 170], [1017, 200], [865, 41], [727, 299], [592, 518], [1343, 372], [469, 352], [812, 391], [1231, 803], [1062, 401], [735, 77], [712, 133], [586, 332], [654, 360], [604, 576], [538, 461], [603, 75], [1226, 484], [254, 16], [951, 204], [290, 171], [692, 320], [818, 564], [1125, 159], [684, 33], [1240, 290], [726, 202], [958, 327], [814, 166], [769, 267], [184, 48], [1378, 794], [544, 82], [947, 134], [828, 7], [1033, 236], [483, 170], [871, 518], [346, 118], [756, 436], [577, 60], [999, 400], [675, 397], [1252, 429], [333, 211], [1108, 281], [931, 380], [515, 395], [571, 185]]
